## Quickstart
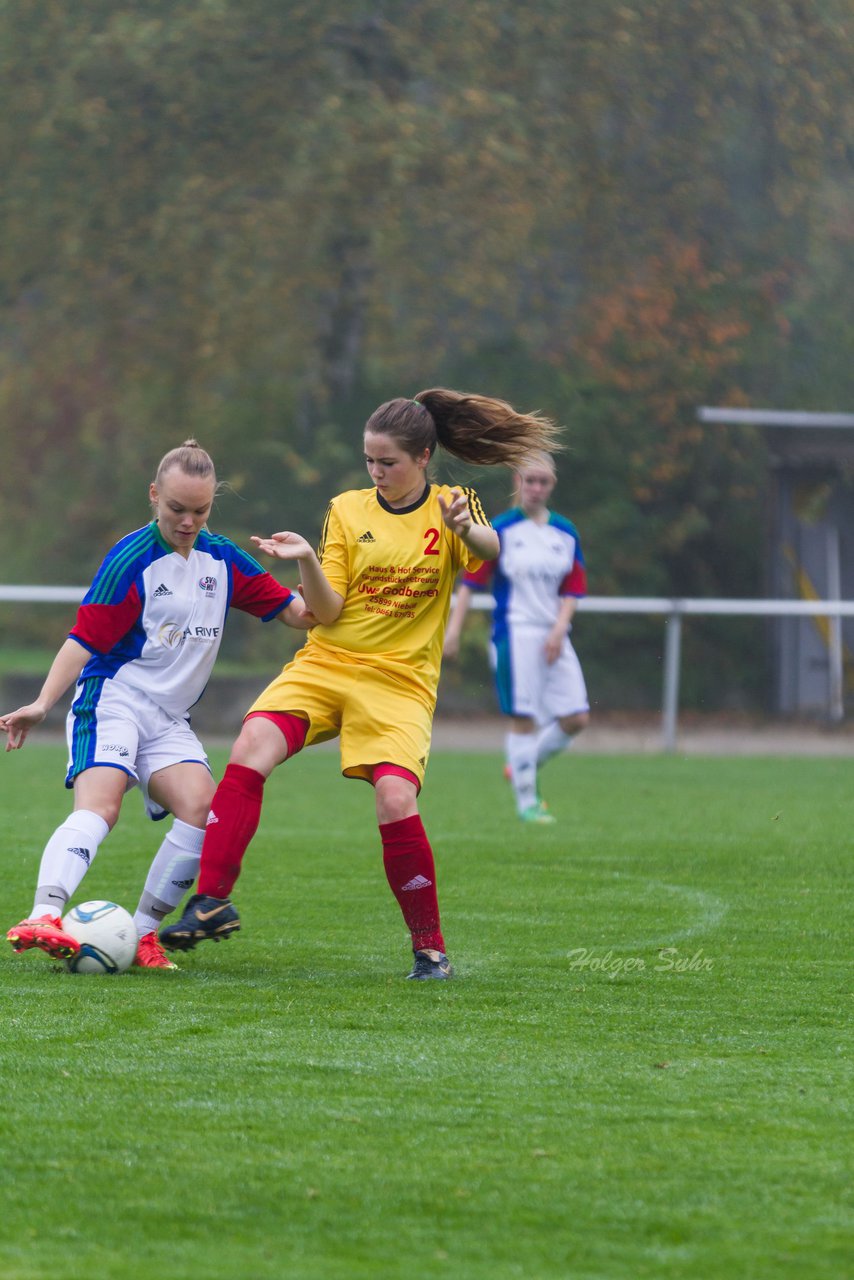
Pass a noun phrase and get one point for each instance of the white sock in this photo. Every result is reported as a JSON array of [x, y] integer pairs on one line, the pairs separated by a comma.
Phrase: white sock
[[522, 758], [551, 741], [68, 855], [175, 867]]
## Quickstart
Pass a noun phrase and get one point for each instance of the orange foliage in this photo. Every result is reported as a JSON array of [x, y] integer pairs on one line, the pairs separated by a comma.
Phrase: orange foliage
[[674, 324]]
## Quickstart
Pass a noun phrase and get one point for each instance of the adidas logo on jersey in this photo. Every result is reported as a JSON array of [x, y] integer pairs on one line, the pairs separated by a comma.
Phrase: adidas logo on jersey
[[417, 882], [367, 537], [162, 590]]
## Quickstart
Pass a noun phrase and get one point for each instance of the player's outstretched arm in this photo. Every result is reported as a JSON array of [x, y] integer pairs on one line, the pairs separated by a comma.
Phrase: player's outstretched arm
[[65, 670], [320, 598]]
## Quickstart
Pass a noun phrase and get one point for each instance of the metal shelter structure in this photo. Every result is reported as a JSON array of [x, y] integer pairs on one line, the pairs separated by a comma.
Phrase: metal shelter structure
[[810, 551]]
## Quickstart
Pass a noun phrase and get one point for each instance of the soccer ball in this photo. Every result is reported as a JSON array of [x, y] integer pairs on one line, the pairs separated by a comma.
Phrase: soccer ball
[[107, 937]]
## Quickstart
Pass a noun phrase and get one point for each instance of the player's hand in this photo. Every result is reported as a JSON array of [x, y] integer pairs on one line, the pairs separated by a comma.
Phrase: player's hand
[[285, 546], [17, 724], [451, 647], [455, 513], [553, 646]]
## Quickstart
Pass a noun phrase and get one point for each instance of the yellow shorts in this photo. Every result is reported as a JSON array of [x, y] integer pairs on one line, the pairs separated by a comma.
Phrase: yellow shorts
[[378, 719]]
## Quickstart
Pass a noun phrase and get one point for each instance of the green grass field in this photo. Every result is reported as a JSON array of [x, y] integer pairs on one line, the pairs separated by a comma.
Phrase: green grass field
[[642, 1069]]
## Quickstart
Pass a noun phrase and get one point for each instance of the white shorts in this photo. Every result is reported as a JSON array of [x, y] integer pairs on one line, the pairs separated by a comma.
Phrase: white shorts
[[120, 728], [527, 685]]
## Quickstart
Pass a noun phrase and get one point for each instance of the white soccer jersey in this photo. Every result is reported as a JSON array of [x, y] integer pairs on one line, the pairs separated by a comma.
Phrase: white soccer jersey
[[537, 565], [153, 620]]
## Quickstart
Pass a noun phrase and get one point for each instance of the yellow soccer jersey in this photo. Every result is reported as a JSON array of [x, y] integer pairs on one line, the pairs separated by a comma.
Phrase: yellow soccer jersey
[[396, 572]]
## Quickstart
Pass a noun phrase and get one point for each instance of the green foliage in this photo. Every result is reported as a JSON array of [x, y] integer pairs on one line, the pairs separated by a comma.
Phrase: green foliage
[[252, 222], [574, 1103]]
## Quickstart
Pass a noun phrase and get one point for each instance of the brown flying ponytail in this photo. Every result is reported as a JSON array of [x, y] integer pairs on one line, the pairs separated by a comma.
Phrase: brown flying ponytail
[[478, 429]]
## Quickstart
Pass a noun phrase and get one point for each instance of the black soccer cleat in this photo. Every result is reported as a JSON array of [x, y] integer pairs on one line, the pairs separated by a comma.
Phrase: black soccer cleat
[[204, 917], [430, 964]]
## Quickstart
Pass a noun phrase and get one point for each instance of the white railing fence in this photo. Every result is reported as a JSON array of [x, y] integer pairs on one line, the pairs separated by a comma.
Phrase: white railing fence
[[672, 609], [675, 609]]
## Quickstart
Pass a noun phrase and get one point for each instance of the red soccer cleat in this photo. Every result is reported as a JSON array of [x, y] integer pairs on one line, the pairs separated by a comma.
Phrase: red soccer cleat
[[45, 932], [150, 954]]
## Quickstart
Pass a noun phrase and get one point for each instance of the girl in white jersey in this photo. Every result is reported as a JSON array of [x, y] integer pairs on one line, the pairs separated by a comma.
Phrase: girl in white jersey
[[537, 581], [141, 651]]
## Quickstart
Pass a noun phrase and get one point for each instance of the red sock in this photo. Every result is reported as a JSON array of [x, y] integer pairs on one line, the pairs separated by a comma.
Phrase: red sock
[[411, 873], [233, 821]]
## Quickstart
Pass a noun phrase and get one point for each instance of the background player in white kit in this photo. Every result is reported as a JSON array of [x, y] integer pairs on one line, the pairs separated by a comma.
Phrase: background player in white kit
[[537, 581], [142, 649]]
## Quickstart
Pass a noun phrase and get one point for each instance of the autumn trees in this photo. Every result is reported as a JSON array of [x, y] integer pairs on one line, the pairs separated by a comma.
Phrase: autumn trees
[[252, 220]]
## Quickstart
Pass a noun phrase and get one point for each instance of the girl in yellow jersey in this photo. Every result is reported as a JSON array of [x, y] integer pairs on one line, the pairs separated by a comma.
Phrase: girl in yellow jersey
[[380, 589]]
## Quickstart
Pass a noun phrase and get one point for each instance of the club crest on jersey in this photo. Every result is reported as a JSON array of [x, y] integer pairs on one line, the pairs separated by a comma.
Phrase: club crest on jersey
[[171, 635], [208, 585]]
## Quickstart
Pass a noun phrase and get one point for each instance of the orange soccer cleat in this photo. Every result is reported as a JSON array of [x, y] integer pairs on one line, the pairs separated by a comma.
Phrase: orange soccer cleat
[[45, 932], [150, 954]]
